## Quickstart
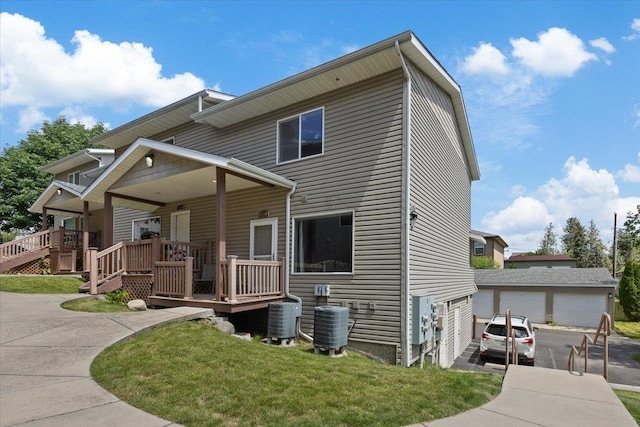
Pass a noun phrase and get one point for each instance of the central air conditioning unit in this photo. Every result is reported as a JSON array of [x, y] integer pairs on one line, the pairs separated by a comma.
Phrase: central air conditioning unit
[[282, 321], [330, 329]]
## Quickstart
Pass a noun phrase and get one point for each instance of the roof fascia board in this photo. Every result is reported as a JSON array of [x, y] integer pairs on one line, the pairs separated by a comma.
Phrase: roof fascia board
[[37, 206], [60, 164], [205, 94], [305, 75]]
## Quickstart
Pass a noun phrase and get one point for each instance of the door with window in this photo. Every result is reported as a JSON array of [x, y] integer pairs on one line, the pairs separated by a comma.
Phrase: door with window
[[264, 239]]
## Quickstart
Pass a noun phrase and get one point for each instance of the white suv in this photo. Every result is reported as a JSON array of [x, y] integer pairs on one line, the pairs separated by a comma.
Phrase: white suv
[[494, 337]]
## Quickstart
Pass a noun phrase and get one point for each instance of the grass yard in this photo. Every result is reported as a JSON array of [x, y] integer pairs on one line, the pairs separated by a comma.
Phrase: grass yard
[[40, 284], [93, 305], [628, 329], [194, 375], [631, 401]]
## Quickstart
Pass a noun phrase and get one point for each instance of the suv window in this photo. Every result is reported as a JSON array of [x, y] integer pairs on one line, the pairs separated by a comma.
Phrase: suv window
[[499, 330]]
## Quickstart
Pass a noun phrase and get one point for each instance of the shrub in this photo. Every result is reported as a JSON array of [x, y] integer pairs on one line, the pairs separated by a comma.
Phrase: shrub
[[119, 296], [630, 290]]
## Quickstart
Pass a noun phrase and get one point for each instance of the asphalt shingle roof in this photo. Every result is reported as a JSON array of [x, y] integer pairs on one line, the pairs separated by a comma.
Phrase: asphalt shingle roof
[[593, 277]]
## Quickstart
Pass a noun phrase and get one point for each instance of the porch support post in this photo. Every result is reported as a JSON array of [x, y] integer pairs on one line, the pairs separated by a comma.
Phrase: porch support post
[[233, 277], [108, 220], [188, 278], [221, 228], [44, 219], [93, 270], [85, 234]]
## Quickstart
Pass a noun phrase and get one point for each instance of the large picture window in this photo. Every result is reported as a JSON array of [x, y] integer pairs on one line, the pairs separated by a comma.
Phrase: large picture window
[[142, 229], [301, 136], [324, 244]]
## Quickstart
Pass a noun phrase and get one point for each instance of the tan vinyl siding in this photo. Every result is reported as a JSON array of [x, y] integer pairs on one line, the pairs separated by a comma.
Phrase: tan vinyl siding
[[360, 171], [441, 192]]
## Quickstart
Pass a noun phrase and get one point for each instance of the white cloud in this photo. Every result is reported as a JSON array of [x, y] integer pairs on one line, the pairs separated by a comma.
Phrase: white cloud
[[603, 43], [582, 192], [77, 115], [635, 27], [96, 73], [486, 59], [557, 53], [630, 173], [30, 118]]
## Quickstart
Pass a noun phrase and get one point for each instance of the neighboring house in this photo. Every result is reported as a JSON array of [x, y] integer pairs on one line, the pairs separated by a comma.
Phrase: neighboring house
[[540, 261], [565, 296], [489, 245], [355, 175]]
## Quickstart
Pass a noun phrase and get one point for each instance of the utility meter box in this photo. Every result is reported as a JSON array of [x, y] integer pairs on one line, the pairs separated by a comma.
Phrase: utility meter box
[[322, 290], [425, 314]]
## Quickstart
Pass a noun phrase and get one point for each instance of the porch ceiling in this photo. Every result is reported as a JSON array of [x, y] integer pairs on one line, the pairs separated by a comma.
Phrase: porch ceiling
[[188, 185], [150, 193]]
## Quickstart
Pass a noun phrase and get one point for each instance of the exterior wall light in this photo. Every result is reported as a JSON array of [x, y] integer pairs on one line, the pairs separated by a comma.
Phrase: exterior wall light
[[413, 216], [59, 191], [149, 160]]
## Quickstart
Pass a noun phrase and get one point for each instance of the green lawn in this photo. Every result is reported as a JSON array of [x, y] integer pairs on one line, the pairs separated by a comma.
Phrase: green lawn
[[192, 374], [40, 284], [628, 329], [93, 305], [631, 401]]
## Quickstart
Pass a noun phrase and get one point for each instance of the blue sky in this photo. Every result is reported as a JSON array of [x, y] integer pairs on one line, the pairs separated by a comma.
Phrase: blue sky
[[552, 89]]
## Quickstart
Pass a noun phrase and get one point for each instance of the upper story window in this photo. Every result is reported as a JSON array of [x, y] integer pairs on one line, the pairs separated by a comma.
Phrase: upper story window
[[301, 136], [478, 248], [73, 178]]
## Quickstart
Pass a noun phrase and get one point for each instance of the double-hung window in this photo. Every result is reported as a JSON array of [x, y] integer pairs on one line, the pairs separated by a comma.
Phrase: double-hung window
[[301, 136], [478, 248], [73, 178], [324, 244]]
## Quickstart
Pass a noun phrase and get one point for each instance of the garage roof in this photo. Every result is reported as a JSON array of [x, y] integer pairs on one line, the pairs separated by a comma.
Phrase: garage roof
[[590, 277]]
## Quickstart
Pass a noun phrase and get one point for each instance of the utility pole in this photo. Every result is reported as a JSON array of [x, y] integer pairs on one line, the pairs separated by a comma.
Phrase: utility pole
[[615, 231]]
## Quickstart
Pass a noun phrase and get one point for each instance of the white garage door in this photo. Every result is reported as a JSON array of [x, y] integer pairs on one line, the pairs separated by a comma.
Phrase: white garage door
[[578, 309], [483, 304], [530, 304]]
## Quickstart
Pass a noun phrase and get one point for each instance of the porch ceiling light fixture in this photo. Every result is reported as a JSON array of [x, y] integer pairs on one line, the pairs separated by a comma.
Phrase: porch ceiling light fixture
[[149, 160], [413, 216]]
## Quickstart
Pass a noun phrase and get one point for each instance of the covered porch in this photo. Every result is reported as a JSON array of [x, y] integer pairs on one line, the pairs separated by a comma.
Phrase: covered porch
[[197, 271]]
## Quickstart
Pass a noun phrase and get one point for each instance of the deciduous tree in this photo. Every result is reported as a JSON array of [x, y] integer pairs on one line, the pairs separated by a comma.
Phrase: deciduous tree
[[21, 183]]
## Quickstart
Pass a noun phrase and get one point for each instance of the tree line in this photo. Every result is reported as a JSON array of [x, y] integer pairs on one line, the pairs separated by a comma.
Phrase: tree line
[[585, 245]]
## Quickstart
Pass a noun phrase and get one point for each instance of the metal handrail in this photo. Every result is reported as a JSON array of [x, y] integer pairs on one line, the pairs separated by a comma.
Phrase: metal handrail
[[605, 321]]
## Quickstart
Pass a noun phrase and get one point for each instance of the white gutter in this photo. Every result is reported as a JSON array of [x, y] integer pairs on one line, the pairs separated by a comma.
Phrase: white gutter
[[405, 275], [286, 265]]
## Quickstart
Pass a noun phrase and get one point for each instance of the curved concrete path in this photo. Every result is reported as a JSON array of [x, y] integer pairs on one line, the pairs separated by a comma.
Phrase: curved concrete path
[[45, 355]]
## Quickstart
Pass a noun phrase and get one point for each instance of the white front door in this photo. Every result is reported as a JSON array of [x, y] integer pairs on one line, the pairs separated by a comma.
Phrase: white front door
[[456, 332], [181, 226], [264, 239]]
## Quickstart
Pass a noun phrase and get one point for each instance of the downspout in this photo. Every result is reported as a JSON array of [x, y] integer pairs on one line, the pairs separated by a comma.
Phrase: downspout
[[286, 261], [406, 182]]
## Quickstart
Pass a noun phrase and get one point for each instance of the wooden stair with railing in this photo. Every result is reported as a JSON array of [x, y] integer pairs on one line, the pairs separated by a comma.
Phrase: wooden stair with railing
[[604, 330], [23, 250]]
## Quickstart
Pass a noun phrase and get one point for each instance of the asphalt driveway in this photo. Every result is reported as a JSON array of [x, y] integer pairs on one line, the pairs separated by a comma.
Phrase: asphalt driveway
[[553, 346]]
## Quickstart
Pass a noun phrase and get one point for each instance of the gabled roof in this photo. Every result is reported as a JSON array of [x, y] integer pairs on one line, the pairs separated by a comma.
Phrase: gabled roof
[[539, 258], [187, 185], [591, 277], [77, 159], [62, 203], [173, 115], [490, 236], [357, 66]]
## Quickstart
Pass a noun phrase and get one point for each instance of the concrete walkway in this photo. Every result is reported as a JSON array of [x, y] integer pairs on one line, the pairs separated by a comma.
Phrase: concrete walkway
[[546, 397], [45, 355]]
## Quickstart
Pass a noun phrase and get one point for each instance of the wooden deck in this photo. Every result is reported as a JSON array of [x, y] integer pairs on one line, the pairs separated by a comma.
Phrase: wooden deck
[[208, 301]]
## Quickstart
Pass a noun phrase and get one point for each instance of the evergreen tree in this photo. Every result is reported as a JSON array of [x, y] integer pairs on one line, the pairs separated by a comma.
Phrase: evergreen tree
[[630, 290], [21, 183], [574, 241], [596, 253], [628, 239], [549, 242]]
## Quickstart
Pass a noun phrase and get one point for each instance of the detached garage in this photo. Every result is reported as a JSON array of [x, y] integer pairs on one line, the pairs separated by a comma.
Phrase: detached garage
[[566, 296]]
